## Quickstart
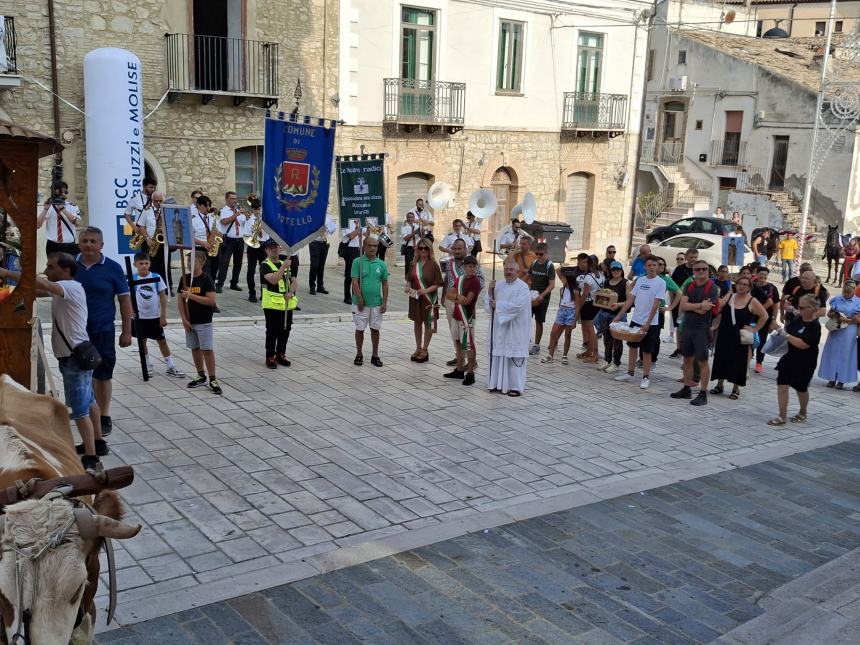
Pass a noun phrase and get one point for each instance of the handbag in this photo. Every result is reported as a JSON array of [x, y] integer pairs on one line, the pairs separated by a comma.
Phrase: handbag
[[86, 355], [834, 324], [747, 337]]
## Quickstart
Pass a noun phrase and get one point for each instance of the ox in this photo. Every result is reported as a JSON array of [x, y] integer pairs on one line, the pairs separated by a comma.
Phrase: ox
[[49, 547]]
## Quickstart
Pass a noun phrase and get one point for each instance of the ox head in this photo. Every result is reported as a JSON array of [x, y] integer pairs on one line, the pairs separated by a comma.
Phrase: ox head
[[50, 565]]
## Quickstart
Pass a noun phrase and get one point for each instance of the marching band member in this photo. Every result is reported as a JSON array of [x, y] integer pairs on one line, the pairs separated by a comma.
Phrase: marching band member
[[424, 218], [231, 219], [352, 236], [202, 224], [60, 217], [509, 237], [138, 204], [381, 229], [409, 235], [458, 233], [277, 287], [159, 261], [255, 256], [473, 230], [318, 250]]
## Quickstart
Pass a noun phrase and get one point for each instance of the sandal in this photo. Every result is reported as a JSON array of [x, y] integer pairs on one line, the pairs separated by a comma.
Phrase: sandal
[[777, 421], [513, 393], [359, 360], [375, 361], [735, 395], [415, 354], [719, 389], [423, 357], [798, 418]]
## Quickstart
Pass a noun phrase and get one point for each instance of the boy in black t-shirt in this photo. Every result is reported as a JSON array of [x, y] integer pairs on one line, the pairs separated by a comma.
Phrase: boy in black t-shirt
[[541, 278], [196, 303]]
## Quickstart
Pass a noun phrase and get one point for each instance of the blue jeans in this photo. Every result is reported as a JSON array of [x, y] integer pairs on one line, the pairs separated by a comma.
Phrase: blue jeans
[[78, 388], [787, 269]]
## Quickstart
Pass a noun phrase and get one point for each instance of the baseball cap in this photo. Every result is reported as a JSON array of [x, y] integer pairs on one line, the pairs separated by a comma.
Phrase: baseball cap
[[269, 243], [616, 265]]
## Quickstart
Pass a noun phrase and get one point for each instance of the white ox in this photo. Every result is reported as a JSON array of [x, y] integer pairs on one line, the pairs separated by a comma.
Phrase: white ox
[[49, 600]]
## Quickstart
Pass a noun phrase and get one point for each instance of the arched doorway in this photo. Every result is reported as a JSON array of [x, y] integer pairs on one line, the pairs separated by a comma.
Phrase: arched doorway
[[673, 125], [504, 186], [579, 189], [410, 186]]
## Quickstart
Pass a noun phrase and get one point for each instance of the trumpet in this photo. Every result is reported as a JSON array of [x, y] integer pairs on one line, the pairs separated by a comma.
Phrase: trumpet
[[253, 240], [215, 239], [156, 243], [136, 241]]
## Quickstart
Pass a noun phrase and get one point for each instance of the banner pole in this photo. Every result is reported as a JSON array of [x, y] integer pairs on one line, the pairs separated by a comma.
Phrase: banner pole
[[492, 312]]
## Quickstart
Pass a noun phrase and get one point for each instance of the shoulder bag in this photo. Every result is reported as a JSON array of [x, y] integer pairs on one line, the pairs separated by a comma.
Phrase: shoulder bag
[[86, 355]]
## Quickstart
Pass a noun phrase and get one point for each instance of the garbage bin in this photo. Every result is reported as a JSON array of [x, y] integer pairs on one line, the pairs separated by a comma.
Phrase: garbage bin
[[555, 234]]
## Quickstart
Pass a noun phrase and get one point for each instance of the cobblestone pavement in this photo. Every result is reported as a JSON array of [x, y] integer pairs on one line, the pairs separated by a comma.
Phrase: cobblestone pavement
[[683, 563]]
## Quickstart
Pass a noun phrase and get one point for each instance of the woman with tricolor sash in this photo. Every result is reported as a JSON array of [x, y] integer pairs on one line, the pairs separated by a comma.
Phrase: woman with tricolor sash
[[422, 285]]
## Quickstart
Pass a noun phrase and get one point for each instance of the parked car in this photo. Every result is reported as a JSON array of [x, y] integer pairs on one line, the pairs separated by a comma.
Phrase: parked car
[[713, 225], [710, 248]]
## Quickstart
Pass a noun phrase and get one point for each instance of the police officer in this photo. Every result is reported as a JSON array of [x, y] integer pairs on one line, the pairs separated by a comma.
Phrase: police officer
[[278, 287]]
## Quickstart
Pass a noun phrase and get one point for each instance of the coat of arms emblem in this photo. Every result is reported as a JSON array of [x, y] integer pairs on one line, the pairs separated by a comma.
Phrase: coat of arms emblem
[[295, 178]]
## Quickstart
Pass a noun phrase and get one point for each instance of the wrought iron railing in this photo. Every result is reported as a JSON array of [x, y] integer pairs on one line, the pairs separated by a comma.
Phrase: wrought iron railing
[[9, 59], [594, 111], [728, 152], [214, 64], [424, 102], [759, 180], [662, 153], [670, 197]]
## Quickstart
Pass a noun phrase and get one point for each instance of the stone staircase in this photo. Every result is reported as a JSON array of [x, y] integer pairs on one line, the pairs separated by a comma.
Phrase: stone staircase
[[678, 199]]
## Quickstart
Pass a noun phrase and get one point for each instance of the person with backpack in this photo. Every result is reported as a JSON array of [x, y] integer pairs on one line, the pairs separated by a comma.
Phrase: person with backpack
[[698, 305], [540, 278]]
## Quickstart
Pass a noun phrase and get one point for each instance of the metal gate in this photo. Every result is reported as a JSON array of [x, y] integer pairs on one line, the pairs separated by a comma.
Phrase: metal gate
[[576, 208]]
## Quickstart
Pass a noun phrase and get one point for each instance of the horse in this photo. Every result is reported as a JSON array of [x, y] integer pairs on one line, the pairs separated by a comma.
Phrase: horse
[[833, 252]]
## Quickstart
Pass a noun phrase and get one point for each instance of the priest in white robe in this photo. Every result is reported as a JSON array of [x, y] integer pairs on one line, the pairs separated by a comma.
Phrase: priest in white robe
[[510, 330]]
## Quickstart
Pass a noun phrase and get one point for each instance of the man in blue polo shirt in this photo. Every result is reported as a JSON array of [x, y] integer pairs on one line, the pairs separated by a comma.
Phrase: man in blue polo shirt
[[637, 268], [103, 280]]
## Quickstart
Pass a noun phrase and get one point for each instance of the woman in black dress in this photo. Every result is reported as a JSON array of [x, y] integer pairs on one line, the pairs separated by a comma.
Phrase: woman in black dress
[[731, 358], [796, 368]]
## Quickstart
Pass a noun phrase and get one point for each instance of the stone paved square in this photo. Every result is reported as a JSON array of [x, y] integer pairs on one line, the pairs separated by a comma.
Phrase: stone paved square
[[322, 465]]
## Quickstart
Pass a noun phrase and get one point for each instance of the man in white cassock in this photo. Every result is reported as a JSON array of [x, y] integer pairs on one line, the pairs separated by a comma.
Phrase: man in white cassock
[[510, 327]]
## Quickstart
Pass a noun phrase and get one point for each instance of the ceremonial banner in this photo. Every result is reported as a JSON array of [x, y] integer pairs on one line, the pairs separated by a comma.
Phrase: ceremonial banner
[[733, 250], [361, 187], [297, 174], [177, 227]]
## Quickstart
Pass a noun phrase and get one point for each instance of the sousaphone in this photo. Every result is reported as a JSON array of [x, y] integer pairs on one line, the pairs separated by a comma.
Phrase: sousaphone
[[439, 195], [483, 203]]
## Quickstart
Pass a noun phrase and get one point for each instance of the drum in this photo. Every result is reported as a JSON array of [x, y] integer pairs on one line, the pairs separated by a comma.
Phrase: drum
[[384, 240]]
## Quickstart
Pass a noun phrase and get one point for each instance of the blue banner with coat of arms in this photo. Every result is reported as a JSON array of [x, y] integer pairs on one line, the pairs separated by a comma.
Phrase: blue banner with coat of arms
[[299, 153]]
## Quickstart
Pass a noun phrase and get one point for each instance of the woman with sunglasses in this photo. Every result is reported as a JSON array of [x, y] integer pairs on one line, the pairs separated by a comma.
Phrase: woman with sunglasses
[[796, 368], [422, 285], [612, 347], [738, 311]]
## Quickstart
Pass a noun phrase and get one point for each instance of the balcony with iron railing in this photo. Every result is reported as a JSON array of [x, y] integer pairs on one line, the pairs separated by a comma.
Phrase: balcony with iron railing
[[8, 54], [211, 66], [594, 112], [666, 153], [727, 152], [424, 104]]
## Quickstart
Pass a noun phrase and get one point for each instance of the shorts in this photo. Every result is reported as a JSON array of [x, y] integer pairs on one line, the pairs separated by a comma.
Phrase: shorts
[[695, 343], [372, 315], [649, 343], [589, 311], [453, 323], [78, 388], [147, 328], [105, 343], [467, 335], [539, 311], [566, 316], [200, 337]]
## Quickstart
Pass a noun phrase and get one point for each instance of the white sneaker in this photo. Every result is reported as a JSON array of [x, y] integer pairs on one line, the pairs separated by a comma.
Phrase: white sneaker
[[669, 339], [645, 383], [534, 349], [624, 376], [611, 368], [602, 365], [176, 372], [149, 366], [546, 359]]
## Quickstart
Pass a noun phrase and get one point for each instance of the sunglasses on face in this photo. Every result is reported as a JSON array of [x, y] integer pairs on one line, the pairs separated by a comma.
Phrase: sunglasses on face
[[539, 254], [612, 252]]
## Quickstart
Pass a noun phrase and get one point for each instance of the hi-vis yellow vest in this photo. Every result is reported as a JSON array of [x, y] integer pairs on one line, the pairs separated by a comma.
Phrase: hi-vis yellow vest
[[272, 300]]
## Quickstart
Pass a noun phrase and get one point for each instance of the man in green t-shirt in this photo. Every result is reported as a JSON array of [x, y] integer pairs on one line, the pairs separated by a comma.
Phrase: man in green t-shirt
[[369, 299]]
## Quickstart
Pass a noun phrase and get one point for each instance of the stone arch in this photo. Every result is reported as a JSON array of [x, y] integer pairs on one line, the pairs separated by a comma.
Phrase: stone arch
[[158, 172], [501, 160]]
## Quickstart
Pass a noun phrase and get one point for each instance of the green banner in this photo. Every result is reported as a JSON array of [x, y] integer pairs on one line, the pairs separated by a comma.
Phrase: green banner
[[361, 188]]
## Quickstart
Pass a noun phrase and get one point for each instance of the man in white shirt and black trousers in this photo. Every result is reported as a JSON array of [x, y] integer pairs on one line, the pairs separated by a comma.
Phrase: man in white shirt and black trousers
[[319, 252], [60, 218], [230, 222], [349, 250], [140, 204]]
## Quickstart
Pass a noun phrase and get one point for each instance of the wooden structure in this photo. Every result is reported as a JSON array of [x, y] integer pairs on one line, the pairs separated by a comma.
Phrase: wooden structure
[[20, 151]]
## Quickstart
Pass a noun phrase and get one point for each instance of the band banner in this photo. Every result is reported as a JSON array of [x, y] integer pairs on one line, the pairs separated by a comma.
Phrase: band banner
[[361, 188], [298, 158]]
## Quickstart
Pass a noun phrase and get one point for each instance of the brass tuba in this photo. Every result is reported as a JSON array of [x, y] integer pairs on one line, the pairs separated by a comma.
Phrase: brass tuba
[[253, 240]]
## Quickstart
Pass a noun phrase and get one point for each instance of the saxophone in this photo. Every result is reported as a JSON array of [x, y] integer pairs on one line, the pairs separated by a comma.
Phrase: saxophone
[[136, 241], [157, 241], [253, 240], [215, 239]]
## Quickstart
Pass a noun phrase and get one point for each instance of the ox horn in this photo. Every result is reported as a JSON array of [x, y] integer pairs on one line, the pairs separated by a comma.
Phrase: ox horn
[[91, 525]]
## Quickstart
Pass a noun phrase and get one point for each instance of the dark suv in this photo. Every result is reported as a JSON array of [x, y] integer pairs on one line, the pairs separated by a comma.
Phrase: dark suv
[[712, 225]]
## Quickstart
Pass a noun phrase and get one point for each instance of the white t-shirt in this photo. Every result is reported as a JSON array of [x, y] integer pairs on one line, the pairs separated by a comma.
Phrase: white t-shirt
[[423, 217], [199, 222], [356, 241], [148, 304], [408, 229], [476, 224], [644, 292], [234, 229], [136, 204], [566, 298], [594, 283], [69, 313]]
